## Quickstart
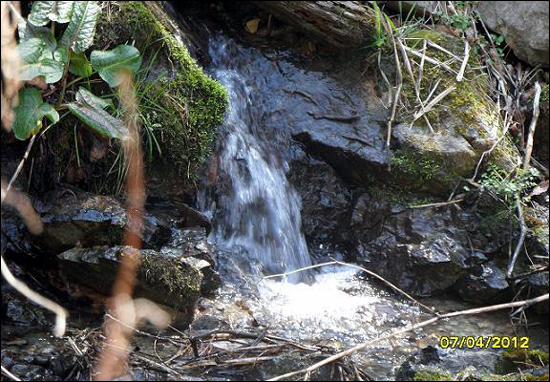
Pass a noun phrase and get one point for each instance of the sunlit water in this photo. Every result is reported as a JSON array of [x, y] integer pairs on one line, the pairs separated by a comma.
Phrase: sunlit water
[[257, 230]]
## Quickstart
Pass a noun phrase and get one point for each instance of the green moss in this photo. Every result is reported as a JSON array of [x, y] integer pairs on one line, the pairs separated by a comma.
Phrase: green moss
[[465, 112], [421, 169], [182, 284], [177, 97], [471, 374], [544, 96], [513, 359], [432, 374]]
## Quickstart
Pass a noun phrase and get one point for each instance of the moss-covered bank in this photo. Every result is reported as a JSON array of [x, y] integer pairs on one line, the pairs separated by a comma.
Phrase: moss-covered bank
[[444, 146], [178, 101]]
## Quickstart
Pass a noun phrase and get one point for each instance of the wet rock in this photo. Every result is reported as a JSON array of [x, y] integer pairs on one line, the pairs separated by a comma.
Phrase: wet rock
[[424, 357], [537, 286], [208, 323], [162, 279], [433, 364], [421, 251], [192, 246], [86, 220], [356, 151], [326, 202], [484, 283], [524, 26]]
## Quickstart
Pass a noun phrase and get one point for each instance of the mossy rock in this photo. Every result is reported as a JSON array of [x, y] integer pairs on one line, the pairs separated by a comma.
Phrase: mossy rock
[[434, 156], [162, 279], [513, 359], [471, 374], [181, 104], [432, 374]]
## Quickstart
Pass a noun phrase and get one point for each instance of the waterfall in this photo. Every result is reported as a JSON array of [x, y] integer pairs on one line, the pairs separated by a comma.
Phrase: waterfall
[[258, 212]]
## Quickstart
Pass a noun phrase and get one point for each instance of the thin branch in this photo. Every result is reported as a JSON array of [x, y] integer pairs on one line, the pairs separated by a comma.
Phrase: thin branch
[[523, 233], [421, 67], [492, 308], [431, 60], [399, 81], [19, 167], [532, 127], [430, 205], [434, 102], [464, 62], [433, 90], [8, 374], [21, 287]]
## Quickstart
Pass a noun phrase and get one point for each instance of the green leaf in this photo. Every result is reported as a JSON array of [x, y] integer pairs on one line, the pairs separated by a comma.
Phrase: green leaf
[[61, 55], [44, 11], [62, 11], [80, 66], [109, 63], [30, 112], [40, 12], [28, 31], [86, 97], [89, 109], [31, 50], [80, 32], [49, 68]]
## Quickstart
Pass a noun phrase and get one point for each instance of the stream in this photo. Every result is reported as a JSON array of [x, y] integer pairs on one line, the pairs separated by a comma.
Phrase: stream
[[258, 225], [276, 210]]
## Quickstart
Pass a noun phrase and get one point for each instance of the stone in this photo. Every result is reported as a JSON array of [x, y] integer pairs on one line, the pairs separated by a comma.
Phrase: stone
[[165, 280], [75, 218], [422, 251], [524, 25], [326, 201], [484, 283]]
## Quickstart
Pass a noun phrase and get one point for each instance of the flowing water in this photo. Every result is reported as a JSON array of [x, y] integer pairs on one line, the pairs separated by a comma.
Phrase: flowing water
[[261, 210], [257, 223]]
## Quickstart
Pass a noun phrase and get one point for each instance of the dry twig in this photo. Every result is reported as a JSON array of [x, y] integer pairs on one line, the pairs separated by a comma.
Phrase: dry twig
[[464, 62], [532, 127], [523, 233]]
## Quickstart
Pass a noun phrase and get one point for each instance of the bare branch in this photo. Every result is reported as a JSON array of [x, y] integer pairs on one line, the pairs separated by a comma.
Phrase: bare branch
[[532, 127]]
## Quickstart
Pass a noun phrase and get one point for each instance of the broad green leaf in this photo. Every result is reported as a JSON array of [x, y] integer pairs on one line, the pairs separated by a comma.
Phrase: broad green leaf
[[86, 97], [28, 31], [80, 32], [62, 11], [31, 50], [30, 112], [50, 69], [61, 55], [89, 109], [109, 63], [80, 66], [44, 11], [40, 12]]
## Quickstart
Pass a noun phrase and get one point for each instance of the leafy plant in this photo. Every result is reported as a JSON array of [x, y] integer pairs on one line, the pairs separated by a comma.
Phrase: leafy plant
[[460, 21], [502, 183], [54, 61]]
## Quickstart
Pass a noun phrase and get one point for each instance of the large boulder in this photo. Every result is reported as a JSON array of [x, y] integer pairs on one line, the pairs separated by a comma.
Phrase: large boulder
[[170, 279], [421, 251], [524, 25]]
